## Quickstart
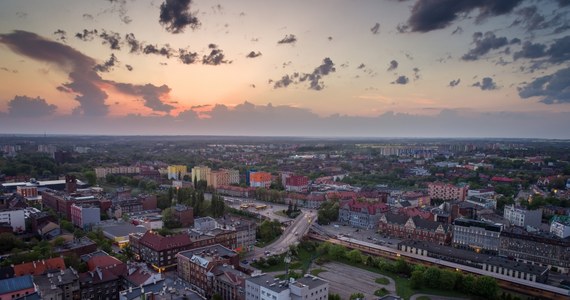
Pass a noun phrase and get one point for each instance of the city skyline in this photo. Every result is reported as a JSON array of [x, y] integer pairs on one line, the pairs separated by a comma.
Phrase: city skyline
[[372, 69]]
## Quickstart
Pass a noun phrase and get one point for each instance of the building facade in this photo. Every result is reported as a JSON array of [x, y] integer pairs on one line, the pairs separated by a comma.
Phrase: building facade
[[476, 235], [445, 191], [200, 173], [415, 228], [265, 287], [521, 217], [16, 219], [177, 172], [159, 251], [296, 183], [260, 179], [560, 226], [85, 215], [361, 214]]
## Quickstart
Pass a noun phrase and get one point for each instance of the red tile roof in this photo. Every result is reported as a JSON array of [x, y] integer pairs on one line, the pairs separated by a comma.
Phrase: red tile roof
[[107, 262], [39, 267], [371, 208]]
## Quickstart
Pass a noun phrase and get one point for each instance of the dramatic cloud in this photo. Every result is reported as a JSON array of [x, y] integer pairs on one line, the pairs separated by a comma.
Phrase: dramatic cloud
[[314, 79], [375, 29], [530, 50], [152, 95], [401, 80], [215, 57], [486, 84], [531, 19], [80, 67], [84, 81], [438, 14], [175, 16], [288, 39], [253, 54], [551, 89], [165, 50], [393, 65], [107, 65], [454, 83], [557, 53], [485, 43], [23, 106]]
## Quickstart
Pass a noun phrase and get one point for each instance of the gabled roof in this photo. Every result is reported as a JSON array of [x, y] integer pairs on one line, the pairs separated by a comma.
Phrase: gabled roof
[[107, 262], [364, 206], [39, 267]]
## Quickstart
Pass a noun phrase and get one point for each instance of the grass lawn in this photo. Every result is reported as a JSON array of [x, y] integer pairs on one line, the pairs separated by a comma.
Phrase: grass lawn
[[381, 292], [382, 280], [301, 262], [316, 272]]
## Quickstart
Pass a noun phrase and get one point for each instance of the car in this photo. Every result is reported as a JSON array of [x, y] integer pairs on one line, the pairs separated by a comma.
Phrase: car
[[245, 262]]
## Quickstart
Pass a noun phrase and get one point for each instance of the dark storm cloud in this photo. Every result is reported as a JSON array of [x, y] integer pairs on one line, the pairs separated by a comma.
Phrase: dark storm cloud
[[175, 16], [215, 57], [187, 57], [401, 80], [86, 35], [560, 50], [288, 39], [151, 94], [23, 106], [60, 35], [438, 14], [563, 3], [83, 79], [393, 65], [253, 54], [375, 29], [134, 44], [485, 43], [107, 65], [486, 84], [129, 67], [551, 89], [112, 39], [454, 83]]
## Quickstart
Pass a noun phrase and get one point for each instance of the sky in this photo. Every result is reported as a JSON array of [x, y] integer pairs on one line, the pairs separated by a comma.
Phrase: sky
[[334, 68]]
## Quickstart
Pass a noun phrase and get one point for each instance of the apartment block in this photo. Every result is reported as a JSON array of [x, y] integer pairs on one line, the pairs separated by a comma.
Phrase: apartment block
[[260, 179], [521, 217], [476, 235], [445, 191], [200, 173], [177, 172]]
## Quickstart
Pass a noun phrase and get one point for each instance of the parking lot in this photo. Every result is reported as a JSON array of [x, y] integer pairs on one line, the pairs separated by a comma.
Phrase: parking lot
[[346, 280], [368, 235]]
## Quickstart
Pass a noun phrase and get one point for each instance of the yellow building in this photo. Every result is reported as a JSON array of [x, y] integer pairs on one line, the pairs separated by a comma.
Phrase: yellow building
[[177, 172], [200, 173]]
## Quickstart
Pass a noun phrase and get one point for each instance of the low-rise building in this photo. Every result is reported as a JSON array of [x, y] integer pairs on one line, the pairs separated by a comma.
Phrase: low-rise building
[[62, 285], [17, 287], [519, 216], [160, 251], [266, 287], [446, 191], [536, 248], [489, 263], [183, 214], [415, 228], [195, 265], [476, 235], [560, 226], [361, 214], [15, 218], [85, 215]]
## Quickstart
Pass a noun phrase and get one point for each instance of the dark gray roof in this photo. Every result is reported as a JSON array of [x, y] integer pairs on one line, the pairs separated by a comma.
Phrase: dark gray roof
[[122, 229], [312, 281], [459, 255], [269, 282], [396, 218], [209, 250], [476, 223]]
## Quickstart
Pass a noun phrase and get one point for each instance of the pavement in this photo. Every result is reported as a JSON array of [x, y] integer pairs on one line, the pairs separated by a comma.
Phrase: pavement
[[346, 280]]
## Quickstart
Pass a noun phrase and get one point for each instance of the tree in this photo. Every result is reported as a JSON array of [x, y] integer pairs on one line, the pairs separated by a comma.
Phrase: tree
[[169, 219], [356, 296], [447, 279], [90, 177], [334, 297], [402, 267], [354, 256], [417, 279], [486, 287], [337, 251], [431, 276]]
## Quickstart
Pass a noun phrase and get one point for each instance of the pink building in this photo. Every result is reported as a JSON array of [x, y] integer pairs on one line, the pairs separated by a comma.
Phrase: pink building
[[446, 191], [296, 183]]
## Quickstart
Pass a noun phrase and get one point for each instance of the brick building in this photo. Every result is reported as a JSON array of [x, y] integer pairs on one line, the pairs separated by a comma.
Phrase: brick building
[[415, 228], [159, 251], [446, 191], [361, 214]]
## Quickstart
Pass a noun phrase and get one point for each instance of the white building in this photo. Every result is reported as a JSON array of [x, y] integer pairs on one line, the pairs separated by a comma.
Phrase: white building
[[521, 217], [266, 287], [560, 227], [15, 218]]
